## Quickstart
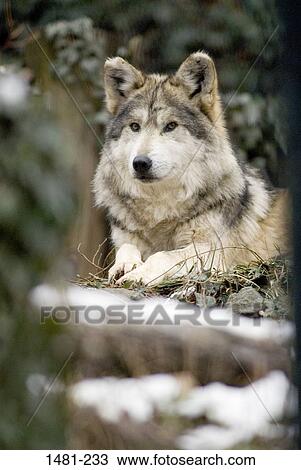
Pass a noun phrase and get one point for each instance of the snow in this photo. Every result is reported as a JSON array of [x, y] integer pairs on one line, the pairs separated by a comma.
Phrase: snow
[[235, 415], [216, 318], [13, 92], [242, 413], [136, 398]]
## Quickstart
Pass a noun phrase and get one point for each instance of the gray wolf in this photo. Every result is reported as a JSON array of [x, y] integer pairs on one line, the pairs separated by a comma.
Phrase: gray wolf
[[177, 198]]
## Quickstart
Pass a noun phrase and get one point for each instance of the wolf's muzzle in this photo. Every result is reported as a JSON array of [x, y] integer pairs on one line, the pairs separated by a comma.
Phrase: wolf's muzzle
[[142, 165]]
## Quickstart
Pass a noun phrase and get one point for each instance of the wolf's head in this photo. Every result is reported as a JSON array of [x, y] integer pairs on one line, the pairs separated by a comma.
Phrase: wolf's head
[[163, 124]]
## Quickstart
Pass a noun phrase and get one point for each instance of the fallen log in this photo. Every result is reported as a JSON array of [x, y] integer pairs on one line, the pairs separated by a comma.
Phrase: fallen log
[[207, 354]]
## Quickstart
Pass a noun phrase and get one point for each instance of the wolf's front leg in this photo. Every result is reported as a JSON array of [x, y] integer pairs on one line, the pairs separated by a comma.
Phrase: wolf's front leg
[[128, 257], [164, 264], [176, 263]]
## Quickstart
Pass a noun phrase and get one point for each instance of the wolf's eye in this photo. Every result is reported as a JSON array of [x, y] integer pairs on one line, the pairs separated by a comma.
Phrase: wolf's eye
[[170, 126], [135, 126]]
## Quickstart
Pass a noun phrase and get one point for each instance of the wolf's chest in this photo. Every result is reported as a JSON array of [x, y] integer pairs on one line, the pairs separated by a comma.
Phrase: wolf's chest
[[158, 223], [159, 215]]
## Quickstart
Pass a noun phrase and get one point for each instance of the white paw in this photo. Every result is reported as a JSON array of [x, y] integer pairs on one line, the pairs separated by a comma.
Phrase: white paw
[[121, 268], [156, 268], [128, 257], [137, 275]]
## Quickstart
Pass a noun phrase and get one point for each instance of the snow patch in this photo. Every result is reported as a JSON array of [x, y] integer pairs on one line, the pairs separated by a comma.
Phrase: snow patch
[[216, 318], [13, 92], [137, 399], [241, 413], [235, 415]]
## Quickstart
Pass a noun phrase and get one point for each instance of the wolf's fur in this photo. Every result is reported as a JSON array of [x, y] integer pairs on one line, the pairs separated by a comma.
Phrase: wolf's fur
[[202, 208]]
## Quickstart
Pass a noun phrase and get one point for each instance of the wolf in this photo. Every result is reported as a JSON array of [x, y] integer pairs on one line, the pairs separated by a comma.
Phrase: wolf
[[178, 199]]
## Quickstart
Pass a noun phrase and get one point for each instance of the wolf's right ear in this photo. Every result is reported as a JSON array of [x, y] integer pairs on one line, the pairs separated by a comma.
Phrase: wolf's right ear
[[198, 76], [120, 79]]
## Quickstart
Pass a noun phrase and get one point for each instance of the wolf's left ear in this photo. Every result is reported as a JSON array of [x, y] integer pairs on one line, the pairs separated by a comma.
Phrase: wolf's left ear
[[198, 76], [120, 79]]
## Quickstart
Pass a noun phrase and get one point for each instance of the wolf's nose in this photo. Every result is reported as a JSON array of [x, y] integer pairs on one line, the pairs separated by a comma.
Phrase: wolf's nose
[[142, 164]]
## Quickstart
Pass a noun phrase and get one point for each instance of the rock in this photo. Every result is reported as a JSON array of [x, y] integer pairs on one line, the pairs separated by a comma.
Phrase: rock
[[246, 302], [204, 301], [278, 308]]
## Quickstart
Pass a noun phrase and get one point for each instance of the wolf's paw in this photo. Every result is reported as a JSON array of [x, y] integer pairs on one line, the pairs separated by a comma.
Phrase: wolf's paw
[[119, 269], [128, 257], [137, 275], [156, 268]]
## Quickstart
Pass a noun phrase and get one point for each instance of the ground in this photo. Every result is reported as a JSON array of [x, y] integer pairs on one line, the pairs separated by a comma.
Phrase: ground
[[259, 289]]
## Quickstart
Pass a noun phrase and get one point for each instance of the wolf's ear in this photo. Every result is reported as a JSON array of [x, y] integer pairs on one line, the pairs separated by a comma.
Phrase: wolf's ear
[[198, 76], [120, 79]]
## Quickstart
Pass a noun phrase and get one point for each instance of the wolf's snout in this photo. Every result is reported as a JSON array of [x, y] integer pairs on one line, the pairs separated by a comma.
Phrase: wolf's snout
[[142, 165]]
